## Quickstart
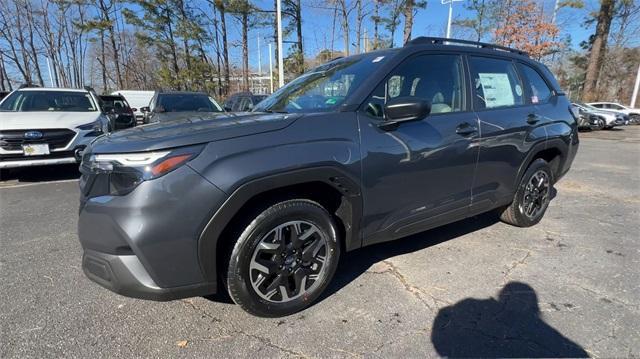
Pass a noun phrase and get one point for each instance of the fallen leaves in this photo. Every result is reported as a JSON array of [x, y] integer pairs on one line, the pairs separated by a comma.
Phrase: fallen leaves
[[182, 343]]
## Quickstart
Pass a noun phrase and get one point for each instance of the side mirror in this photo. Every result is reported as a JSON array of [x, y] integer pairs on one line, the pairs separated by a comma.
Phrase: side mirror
[[133, 109], [144, 109], [403, 109], [108, 109]]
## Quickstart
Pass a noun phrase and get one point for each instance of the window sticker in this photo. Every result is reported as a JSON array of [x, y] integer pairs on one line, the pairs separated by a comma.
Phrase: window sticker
[[496, 88], [518, 90], [377, 59], [534, 99]]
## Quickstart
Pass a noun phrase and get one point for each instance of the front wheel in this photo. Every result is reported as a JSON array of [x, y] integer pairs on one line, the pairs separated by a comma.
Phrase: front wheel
[[284, 259], [533, 196]]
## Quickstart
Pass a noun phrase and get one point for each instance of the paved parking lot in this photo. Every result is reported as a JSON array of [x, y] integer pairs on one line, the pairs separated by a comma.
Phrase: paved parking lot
[[569, 286]]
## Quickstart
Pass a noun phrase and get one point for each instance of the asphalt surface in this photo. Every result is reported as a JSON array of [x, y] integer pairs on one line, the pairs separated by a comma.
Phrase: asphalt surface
[[569, 286]]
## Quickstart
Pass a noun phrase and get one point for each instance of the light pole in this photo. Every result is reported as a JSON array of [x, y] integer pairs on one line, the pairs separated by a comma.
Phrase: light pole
[[280, 49], [270, 68], [450, 2]]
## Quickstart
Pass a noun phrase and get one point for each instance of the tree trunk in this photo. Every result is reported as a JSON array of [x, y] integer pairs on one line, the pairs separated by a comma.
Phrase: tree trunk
[[112, 39], [598, 49], [174, 52], [216, 41], [225, 46], [299, 32], [408, 20], [102, 64], [34, 52], [376, 23], [359, 26], [245, 50], [345, 25]]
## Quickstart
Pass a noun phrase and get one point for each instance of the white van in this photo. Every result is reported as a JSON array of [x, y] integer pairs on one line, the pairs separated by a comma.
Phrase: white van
[[137, 100]]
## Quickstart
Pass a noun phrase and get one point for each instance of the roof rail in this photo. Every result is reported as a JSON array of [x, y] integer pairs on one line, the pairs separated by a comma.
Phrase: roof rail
[[423, 40]]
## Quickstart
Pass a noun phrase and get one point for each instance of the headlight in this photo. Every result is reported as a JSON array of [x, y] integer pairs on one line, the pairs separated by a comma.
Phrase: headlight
[[127, 170], [94, 127]]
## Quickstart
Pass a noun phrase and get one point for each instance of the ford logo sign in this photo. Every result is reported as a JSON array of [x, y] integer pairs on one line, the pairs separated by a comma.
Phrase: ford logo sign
[[33, 135]]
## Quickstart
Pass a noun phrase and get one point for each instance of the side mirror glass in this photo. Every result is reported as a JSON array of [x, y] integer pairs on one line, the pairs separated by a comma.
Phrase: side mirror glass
[[403, 109], [144, 109]]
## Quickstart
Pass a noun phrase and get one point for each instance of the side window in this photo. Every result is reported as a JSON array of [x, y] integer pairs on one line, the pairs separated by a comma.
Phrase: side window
[[436, 78], [237, 105], [228, 105], [616, 106], [539, 90], [495, 82], [245, 104]]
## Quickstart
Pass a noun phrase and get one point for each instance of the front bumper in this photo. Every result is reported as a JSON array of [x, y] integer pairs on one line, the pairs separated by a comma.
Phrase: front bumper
[[145, 244], [70, 153], [125, 275], [11, 163]]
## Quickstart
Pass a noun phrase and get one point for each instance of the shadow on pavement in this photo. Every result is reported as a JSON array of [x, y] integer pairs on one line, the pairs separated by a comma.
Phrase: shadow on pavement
[[353, 264], [41, 173], [509, 327]]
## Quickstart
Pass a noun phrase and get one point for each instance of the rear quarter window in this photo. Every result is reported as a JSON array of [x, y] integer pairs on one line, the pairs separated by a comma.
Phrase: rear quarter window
[[539, 91]]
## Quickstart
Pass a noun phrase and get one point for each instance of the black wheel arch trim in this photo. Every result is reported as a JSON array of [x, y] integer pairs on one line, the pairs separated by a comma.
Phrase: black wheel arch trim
[[552, 143], [349, 211]]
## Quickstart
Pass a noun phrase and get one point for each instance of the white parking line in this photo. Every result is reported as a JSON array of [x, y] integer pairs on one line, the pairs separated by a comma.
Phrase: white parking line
[[20, 185]]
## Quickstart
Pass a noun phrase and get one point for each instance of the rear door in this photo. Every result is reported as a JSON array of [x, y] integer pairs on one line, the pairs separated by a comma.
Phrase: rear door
[[509, 126], [418, 175]]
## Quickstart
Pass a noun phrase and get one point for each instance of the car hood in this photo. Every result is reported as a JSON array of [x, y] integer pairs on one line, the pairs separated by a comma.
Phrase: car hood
[[44, 120], [190, 129]]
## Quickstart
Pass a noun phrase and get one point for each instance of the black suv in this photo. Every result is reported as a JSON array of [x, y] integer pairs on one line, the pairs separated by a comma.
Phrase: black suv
[[118, 110], [361, 150]]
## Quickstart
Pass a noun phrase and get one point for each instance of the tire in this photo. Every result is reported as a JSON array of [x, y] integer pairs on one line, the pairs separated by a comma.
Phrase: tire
[[273, 276], [517, 213], [600, 125]]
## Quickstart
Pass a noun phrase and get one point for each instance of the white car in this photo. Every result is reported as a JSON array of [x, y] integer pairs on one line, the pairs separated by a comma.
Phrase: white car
[[611, 118], [633, 113], [48, 126]]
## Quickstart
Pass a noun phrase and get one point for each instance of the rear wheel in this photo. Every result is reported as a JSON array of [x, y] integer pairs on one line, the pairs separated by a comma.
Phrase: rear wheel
[[532, 197], [284, 259]]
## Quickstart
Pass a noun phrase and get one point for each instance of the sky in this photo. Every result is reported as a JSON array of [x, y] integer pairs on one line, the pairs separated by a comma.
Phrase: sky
[[317, 24]]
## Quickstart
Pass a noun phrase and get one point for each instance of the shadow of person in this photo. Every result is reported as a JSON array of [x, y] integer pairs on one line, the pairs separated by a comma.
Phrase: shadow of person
[[508, 327]]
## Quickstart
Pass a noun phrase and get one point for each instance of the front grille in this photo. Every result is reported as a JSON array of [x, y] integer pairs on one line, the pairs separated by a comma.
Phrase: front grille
[[12, 140]]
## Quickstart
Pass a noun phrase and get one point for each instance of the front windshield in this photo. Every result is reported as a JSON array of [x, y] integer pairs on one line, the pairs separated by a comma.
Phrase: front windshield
[[49, 101], [324, 88], [186, 103]]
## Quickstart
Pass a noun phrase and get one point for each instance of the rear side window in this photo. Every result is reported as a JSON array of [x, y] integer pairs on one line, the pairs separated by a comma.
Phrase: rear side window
[[496, 83], [538, 88]]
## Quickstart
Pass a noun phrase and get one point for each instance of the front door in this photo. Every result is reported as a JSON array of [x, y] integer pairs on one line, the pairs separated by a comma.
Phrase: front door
[[418, 175]]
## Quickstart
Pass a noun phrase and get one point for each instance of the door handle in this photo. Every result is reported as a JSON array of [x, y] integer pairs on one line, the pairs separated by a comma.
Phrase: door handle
[[532, 119], [465, 129]]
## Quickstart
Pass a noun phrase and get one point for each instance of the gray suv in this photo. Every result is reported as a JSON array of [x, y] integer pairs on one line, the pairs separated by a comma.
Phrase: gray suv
[[361, 150]]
